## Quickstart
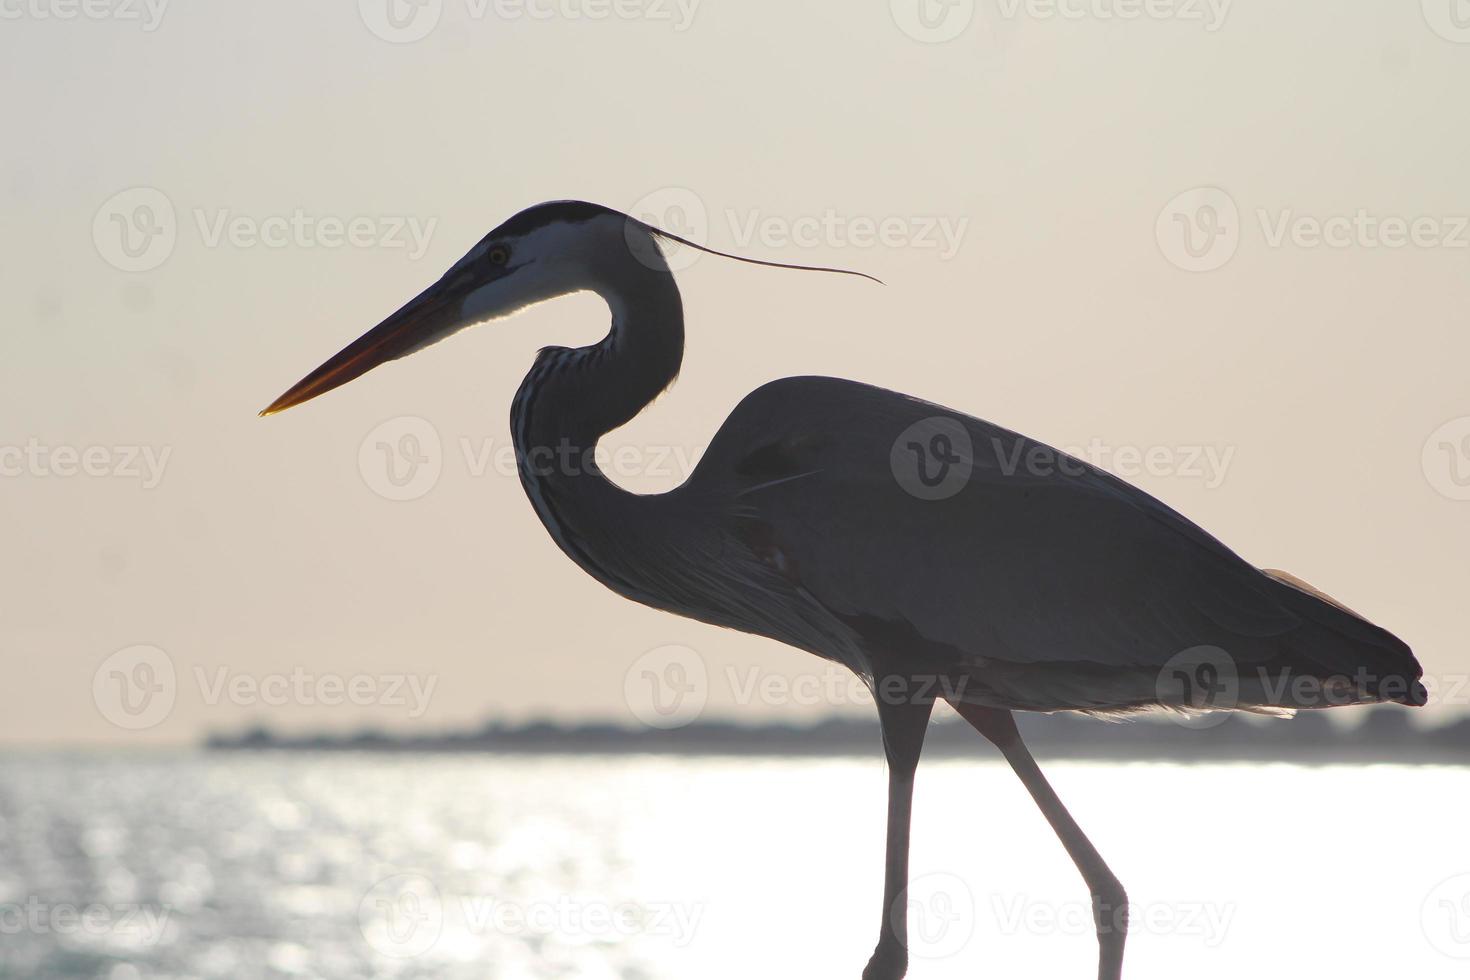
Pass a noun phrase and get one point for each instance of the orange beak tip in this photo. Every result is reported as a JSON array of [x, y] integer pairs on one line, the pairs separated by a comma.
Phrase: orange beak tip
[[388, 341], [274, 408]]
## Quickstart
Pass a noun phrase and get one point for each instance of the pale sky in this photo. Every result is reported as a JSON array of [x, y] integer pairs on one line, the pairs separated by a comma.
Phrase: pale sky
[[203, 201]]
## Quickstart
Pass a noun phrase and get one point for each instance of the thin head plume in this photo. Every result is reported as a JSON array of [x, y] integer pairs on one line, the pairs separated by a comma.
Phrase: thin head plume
[[659, 232]]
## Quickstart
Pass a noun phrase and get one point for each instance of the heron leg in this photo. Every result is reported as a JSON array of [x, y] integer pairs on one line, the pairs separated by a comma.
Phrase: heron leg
[[903, 722], [1109, 901]]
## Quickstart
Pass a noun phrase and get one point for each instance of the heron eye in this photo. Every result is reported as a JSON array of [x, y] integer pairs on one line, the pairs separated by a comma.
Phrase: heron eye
[[498, 255]]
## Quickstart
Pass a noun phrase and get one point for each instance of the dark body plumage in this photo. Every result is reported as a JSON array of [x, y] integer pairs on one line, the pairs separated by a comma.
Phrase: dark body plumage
[[1056, 584], [1041, 583]]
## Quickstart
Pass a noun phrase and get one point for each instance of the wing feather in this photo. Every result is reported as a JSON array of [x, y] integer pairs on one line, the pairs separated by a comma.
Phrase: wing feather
[[1034, 558]]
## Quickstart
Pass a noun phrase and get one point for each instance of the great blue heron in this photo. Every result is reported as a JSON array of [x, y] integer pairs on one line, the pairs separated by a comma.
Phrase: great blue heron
[[935, 554]]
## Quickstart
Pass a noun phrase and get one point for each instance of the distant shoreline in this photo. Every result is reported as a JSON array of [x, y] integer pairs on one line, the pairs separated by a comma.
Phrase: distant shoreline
[[1385, 736]]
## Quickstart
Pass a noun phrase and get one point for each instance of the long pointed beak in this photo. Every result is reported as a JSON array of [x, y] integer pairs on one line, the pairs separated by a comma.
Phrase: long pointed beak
[[414, 326]]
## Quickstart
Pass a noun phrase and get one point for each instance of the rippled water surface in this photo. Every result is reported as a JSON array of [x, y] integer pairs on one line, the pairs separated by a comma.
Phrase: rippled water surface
[[238, 865]]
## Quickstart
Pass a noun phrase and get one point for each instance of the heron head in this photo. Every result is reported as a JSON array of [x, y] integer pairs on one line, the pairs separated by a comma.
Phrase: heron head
[[543, 252]]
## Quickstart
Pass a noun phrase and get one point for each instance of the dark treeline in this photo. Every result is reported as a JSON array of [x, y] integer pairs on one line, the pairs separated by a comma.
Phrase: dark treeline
[[1386, 735]]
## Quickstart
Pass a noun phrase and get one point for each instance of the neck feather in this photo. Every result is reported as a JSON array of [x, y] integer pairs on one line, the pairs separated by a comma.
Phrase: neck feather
[[572, 397]]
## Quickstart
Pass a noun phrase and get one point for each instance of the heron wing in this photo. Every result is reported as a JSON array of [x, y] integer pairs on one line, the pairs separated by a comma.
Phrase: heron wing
[[949, 540]]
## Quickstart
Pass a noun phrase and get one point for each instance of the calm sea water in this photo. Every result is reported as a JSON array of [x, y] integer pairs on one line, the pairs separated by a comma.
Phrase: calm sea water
[[239, 866]]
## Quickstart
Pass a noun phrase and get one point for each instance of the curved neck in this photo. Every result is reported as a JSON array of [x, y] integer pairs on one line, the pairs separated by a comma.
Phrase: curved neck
[[572, 397]]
